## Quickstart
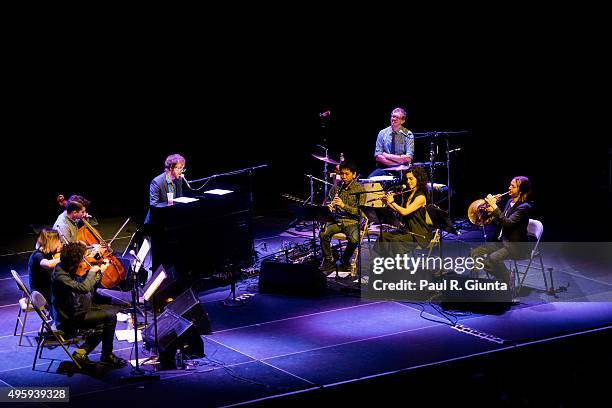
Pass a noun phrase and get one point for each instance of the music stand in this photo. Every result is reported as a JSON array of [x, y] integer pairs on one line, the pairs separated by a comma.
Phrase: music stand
[[318, 213], [137, 374]]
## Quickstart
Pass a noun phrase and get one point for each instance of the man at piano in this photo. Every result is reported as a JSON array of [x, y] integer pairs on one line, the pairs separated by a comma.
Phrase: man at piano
[[344, 203], [170, 181]]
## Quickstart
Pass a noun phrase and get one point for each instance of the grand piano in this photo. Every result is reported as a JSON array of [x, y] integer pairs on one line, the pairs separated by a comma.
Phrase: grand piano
[[203, 237]]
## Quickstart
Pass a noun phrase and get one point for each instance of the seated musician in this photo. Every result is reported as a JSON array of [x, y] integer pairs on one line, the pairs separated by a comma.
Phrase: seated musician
[[413, 213], [170, 181], [43, 260], [511, 228], [68, 222], [73, 307], [394, 144], [345, 205]]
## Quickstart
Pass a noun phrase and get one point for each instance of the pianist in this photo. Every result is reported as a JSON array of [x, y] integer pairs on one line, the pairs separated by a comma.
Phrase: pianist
[[170, 181]]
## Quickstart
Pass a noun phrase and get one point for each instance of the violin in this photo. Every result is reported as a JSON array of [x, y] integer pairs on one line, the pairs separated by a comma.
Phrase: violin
[[115, 272]]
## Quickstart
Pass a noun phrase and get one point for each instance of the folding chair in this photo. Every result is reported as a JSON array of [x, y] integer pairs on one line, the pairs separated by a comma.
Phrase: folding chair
[[24, 306], [47, 335], [341, 238], [535, 229]]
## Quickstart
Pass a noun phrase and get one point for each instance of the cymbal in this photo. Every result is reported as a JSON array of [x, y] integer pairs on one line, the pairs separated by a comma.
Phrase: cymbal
[[401, 167], [428, 164], [325, 159]]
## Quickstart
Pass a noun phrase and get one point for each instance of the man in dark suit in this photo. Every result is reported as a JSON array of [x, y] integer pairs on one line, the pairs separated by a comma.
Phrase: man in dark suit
[[170, 181], [511, 229]]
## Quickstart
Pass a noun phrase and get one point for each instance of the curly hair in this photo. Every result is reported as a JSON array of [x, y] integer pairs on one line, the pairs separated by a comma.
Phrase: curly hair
[[421, 175], [71, 256]]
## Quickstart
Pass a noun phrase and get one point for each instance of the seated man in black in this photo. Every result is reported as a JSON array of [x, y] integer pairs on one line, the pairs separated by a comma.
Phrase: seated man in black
[[344, 203], [73, 308]]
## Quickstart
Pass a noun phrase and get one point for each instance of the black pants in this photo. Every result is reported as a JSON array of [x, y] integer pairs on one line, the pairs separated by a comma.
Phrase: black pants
[[495, 253], [351, 232], [103, 319]]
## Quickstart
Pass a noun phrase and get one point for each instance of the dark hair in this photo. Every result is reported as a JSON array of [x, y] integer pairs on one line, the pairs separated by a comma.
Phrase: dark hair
[[80, 199], [71, 256], [421, 175], [74, 206], [524, 188], [350, 165], [173, 160]]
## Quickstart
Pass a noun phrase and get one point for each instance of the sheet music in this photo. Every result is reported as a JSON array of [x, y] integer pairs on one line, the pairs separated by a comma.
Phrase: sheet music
[[185, 199], [142, 254]]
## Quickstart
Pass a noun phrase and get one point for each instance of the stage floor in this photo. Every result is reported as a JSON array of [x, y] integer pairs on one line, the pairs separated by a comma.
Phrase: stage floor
[[277, 347]]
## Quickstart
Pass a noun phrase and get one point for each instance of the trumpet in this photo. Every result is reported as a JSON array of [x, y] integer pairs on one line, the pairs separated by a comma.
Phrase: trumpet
[[477, 211]]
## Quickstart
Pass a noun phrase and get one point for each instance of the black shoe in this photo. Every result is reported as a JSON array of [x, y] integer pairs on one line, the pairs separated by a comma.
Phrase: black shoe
[[112, 360], [80, 356]]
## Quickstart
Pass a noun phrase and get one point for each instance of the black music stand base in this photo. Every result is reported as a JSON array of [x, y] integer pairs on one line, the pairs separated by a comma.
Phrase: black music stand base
[[233, 302], [138, 375]]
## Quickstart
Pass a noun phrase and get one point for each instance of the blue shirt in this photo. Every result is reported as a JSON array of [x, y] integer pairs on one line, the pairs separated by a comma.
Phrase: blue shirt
[[404, 144]]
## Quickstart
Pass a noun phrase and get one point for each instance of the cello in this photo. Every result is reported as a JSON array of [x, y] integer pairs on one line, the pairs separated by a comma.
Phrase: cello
[[115, 272]]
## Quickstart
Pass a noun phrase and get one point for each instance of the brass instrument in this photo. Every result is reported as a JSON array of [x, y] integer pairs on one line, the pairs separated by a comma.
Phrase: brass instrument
[[477, 211]]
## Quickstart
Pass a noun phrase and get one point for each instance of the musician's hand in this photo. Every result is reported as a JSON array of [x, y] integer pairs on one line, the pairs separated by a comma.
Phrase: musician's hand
[[331, 207], [338, 201], [104, 265], [492, 201], [388, 199]]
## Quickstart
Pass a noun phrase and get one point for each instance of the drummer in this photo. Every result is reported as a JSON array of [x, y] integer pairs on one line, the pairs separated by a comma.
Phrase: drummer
[[394, 144]]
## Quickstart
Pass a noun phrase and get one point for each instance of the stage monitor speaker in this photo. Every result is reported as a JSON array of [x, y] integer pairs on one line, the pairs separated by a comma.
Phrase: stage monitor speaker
[[288, 278], [189, 307], [475, 300], [173, 332]]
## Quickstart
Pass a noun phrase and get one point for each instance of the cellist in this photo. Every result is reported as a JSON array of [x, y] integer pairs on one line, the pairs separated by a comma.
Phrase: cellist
[[69, 221]]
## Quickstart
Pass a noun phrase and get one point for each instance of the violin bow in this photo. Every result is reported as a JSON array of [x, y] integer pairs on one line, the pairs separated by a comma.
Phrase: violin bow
[[115, 236]]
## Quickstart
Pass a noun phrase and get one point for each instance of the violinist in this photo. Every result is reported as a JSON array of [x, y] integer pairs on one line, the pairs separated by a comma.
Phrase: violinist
[[68, 222], [43, 260], [344, 203], [412, 213], [73, 307]]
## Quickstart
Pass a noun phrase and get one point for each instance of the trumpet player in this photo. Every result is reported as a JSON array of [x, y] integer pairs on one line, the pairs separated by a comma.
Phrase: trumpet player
[[511, 228], [345, 204]]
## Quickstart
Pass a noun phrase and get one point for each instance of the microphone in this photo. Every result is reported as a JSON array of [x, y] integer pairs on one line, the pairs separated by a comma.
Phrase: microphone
[[325, 114], [136, 258]]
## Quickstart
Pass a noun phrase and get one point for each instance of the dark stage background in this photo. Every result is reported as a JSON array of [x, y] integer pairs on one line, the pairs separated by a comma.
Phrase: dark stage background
[[105, 134]]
